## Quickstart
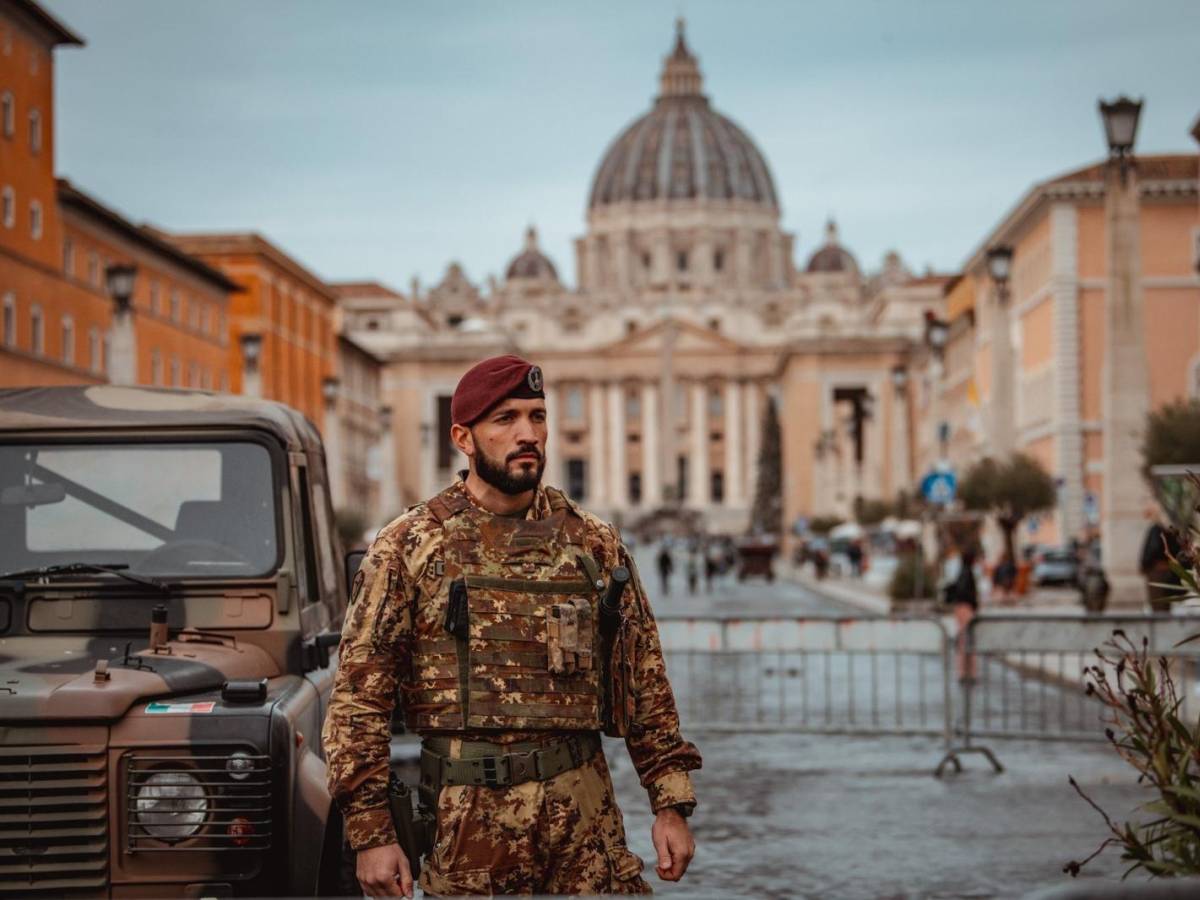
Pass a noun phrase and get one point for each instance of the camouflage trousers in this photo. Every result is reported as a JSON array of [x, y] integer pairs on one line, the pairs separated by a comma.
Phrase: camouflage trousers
[[561, 836]]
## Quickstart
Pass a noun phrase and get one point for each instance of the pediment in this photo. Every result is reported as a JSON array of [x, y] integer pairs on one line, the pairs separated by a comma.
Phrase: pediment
[[689, 338]]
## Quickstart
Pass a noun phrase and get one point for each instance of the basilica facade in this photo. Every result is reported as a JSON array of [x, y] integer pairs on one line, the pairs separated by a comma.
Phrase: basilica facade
[[691, 312]]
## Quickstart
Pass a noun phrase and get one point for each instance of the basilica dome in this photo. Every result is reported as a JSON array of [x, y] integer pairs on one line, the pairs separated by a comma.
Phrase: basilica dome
[[682, 149], [832, 257], [531, 262]]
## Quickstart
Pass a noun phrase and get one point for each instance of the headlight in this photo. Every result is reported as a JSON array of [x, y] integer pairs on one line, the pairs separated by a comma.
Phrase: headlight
[[171, 806]]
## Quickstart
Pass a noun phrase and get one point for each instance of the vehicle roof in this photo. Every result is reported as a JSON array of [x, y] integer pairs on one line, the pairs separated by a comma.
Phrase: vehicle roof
[[105, 406]]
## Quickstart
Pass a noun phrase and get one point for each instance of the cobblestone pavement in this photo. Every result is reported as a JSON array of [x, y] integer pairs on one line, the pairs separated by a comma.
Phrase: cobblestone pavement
[[838, 817]]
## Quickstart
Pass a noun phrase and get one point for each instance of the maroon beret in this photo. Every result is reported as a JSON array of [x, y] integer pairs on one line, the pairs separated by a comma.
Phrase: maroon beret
[[491, 381]]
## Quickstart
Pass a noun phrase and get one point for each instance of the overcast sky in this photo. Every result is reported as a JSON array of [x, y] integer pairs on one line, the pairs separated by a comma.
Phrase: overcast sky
[[385, 139]]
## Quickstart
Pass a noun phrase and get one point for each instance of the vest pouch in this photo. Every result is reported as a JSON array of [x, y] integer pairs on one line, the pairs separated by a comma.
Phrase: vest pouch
[[528, 657]]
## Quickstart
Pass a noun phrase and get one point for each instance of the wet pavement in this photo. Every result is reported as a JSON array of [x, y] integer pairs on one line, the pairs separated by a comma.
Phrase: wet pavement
[[794, 815]]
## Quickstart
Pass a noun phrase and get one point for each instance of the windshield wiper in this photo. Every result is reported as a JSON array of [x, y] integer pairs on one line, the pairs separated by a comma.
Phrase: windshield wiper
[[69, 568]]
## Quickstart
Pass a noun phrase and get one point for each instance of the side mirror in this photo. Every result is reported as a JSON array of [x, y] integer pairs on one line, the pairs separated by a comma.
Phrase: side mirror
[[353, 560]]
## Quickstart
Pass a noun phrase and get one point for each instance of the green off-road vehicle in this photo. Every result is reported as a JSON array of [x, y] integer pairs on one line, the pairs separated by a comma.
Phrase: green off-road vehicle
[[171, 586]]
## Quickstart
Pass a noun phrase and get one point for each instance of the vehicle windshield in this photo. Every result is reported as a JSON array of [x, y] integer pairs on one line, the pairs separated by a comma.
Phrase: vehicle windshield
[[180, 510]]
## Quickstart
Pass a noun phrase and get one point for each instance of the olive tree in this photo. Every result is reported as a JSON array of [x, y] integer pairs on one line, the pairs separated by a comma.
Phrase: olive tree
[[1010, 490]]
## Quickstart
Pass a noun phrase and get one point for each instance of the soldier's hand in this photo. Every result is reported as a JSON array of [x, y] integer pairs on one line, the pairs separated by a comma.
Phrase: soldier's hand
[[674, 844], [384, 872]]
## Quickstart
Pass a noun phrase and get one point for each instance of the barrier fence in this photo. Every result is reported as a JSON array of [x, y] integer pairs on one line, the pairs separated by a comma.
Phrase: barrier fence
[[900, 675]]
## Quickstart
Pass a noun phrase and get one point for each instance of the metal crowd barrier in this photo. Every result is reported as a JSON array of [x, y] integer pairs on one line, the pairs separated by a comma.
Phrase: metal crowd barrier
[[819, 675], [1028, 675]]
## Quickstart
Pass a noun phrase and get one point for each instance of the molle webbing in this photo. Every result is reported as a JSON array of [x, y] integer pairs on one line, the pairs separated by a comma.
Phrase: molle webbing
[[500, 765], [528, 598]]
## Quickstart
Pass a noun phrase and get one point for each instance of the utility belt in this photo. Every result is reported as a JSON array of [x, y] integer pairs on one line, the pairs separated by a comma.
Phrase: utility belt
[[486, 764]]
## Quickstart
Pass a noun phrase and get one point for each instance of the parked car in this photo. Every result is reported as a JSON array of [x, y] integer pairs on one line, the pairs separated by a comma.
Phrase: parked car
[[1057, 566]]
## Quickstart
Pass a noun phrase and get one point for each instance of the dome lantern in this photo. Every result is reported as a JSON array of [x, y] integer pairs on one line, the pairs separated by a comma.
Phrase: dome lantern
[[681, 71]]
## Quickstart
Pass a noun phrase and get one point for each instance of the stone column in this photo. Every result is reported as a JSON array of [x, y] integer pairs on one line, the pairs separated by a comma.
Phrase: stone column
[[597, 476], [1126, 392], [389, 496], [697, 486], [734, 426], [618, 486], [774, 259], [652, 421], [621, 259], [754, 417], [744, 244]]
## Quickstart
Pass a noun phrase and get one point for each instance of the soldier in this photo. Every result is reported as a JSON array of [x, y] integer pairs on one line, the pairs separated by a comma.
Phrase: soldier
[[481, 606]]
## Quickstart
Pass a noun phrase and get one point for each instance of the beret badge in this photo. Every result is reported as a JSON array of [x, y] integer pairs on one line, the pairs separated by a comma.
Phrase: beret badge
[[534, 378]]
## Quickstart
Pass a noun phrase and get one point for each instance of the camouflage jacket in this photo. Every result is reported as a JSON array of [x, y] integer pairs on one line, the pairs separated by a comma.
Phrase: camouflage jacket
[[375, 655]]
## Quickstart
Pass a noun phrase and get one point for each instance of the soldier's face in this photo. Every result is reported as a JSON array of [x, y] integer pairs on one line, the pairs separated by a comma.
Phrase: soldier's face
[[508, 445]]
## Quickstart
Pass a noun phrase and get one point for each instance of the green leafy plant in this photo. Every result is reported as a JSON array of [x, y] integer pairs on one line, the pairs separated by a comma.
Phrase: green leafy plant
[[909, 582], [1010, 490], [1142, 712]]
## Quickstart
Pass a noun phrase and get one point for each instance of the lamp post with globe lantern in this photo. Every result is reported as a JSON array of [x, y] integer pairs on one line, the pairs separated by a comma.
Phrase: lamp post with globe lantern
[[1126, 393], [999, 267]]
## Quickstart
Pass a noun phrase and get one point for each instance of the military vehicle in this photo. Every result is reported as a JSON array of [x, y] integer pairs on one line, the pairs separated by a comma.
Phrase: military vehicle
[[171, 586]]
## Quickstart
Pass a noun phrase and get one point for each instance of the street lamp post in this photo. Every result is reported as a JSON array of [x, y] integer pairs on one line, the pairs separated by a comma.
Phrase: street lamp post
[[331, 436], [250, 343], [1126, 394], [999, 267], [120, 278], [902, 430]]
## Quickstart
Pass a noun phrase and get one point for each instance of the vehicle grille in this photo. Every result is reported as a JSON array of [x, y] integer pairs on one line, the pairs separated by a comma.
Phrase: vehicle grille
[[236, 814], [53, 820]]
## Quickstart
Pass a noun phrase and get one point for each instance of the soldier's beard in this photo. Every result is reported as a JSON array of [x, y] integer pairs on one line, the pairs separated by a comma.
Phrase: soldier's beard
[[497, 475]]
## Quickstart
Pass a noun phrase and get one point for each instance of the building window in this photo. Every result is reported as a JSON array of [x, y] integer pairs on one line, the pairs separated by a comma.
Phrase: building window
[[718, 261], [633, 405], [35, 219], [155, 298], [68, 341], [681, 260], [9, 204], [716, 403], [572, 321], [10, 320], [68, 257], [35, 131], [224, 382], [646, 261], [205, 380], [716, 486], [94, 349], [205, 318], [714, 324], [156, 369], [193, 315], [577, 479], [631, 327], [635, 488], [445, 449], [681, 476], [174, 371], [574, 405], [8, 113], [454, 320], [175, 304], [93, 273], [221, 325], [193, 375], [37, 330]]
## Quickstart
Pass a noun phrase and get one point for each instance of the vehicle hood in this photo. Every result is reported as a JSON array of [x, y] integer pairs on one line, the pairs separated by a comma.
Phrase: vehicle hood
[[56, 679]]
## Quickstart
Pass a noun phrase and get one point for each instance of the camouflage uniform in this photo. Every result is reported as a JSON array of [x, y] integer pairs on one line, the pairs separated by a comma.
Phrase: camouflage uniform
[[562, 835]]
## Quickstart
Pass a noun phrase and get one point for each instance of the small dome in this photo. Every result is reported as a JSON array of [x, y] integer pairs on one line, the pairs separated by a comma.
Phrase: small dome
[[683, 148], [531, 262], [833, 257]]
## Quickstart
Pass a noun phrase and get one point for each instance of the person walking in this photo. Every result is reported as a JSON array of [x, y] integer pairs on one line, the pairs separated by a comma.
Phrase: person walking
[[481, 606], [712, 566], [1004, 578], [666, 565], [963, 597], [693, 572], [1158, 547]]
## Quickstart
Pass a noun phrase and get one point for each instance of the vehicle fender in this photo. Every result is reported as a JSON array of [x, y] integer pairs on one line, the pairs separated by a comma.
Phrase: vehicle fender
[[312, 815]]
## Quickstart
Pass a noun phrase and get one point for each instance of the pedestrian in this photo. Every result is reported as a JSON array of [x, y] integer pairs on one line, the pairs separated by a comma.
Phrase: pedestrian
[[963, 597], [712, 566], [456, 604], [666, 566], [854, 552], [1158, 547], [1004, 577], [693, 572]]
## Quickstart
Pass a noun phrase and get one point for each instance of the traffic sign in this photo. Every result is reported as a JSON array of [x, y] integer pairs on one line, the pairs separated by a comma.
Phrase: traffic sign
[[939, 487]]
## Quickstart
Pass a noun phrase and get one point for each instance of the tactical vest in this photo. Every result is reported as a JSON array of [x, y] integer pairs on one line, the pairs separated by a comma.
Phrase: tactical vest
[[510, 642]]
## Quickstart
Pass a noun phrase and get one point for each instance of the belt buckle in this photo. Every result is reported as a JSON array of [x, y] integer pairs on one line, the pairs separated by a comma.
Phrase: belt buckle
[[496, 771], [523, 767]]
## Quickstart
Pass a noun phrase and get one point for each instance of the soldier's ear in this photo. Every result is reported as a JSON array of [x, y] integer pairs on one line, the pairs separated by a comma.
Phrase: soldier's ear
[[462, 438]]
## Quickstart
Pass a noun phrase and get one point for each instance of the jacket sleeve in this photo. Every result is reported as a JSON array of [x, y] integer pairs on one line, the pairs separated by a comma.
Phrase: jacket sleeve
[[376, 642], [659, 753]]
